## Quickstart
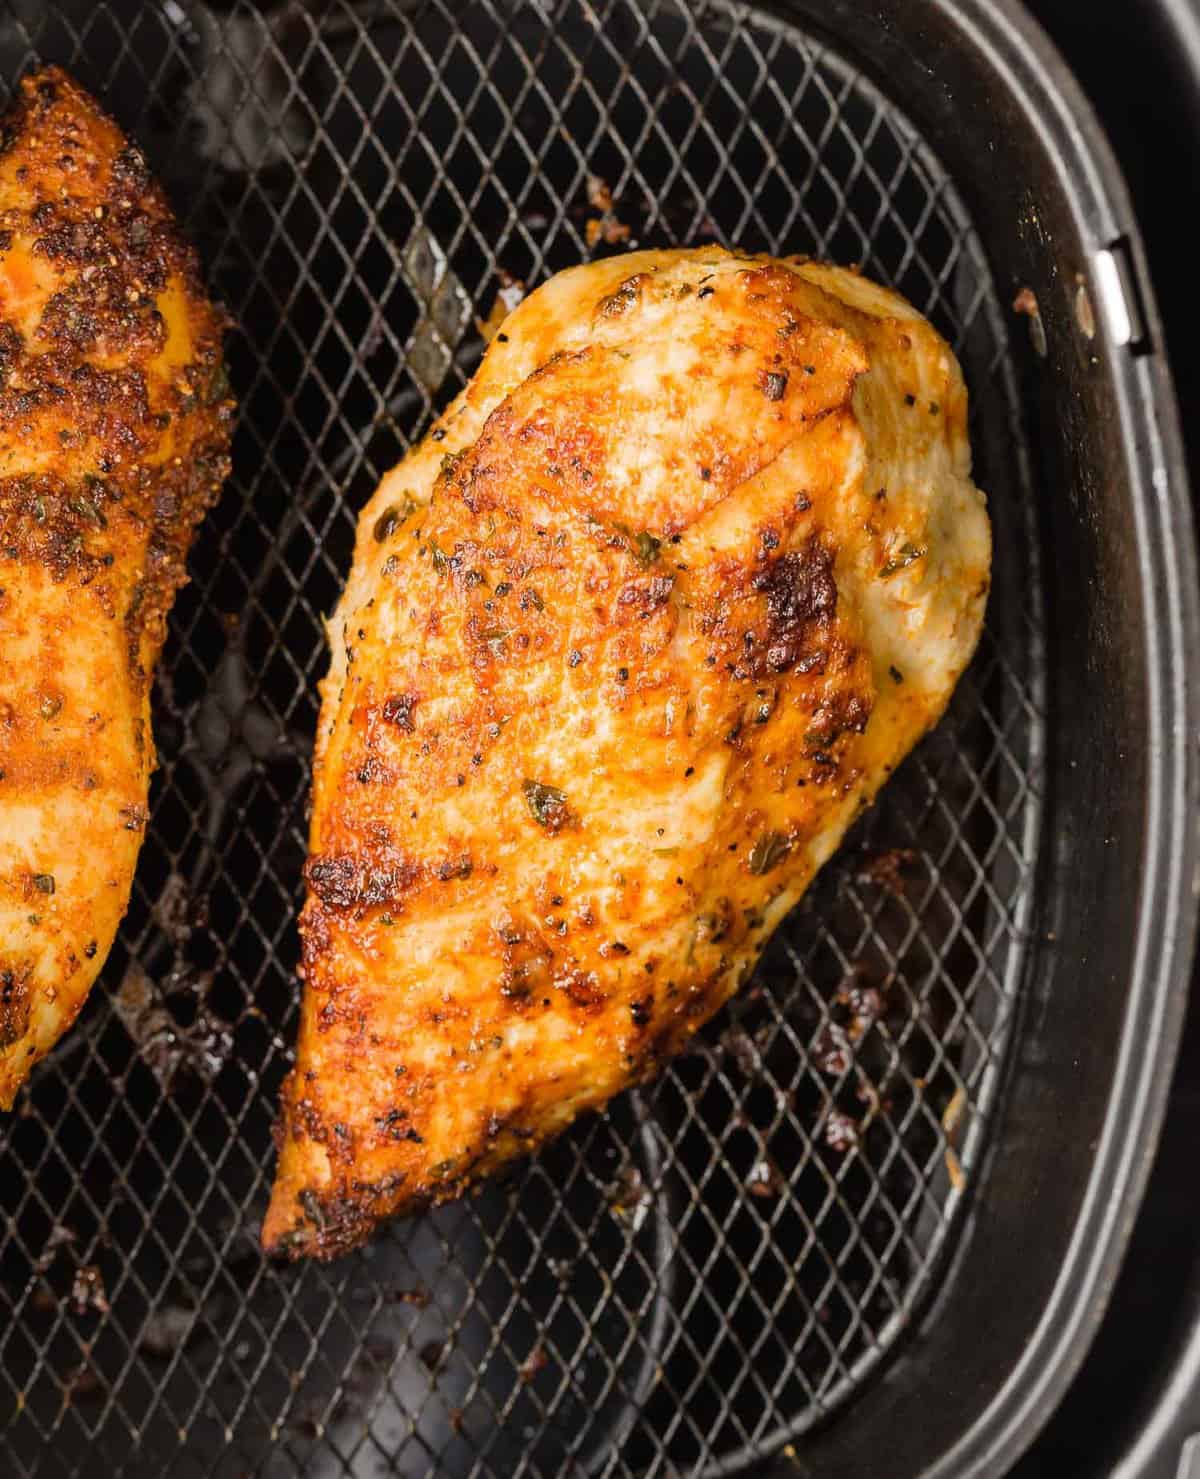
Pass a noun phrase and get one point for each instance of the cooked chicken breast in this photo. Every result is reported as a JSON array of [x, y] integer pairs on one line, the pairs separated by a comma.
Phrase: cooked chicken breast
[[114, 430], [629, 641]]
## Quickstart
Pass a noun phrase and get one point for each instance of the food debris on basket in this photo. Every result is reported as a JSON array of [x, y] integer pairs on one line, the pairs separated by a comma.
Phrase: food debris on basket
[[508, 295], [417, 1296], [953, 1111], [951, 1117], [599, 193], [605, 226], [87, 1291], [534, 1362], [1026, 302], [737, 1043], [831, 1051], [444, 303], [765, 1179], [58, 1237], [841, 1132], [629, 1195], [165, 1044], [171, 910], [888, 868], [864, 1004]]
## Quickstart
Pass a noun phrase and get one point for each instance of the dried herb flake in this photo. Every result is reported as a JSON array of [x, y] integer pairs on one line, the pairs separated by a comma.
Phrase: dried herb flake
[[547, 804], [646, 548], [770, 849], [390, 520]]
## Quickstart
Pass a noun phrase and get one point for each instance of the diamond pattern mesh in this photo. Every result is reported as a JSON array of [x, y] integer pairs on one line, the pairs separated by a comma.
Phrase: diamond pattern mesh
[[690, 1281]]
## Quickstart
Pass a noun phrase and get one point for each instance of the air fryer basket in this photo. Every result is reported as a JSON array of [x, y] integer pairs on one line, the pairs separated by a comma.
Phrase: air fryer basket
[[875, 1211]]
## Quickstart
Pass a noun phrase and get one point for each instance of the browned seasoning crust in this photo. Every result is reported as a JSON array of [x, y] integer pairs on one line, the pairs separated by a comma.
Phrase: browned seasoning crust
[[606, 690], [114, 438]]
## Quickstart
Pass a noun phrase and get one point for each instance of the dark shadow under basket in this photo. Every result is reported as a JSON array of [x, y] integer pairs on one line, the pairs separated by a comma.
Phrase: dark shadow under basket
[[875, 1211]]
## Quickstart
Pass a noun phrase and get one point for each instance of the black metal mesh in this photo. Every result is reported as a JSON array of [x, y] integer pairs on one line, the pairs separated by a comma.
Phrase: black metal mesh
[[689, 1281]]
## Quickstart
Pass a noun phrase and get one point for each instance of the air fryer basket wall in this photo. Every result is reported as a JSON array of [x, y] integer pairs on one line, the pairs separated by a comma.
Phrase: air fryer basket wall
[[878, 1213], [1114, 937]]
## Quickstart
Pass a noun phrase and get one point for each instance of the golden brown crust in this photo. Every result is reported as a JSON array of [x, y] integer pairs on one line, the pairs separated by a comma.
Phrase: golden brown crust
[[132, 445], [114, 439], [602, 701]]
